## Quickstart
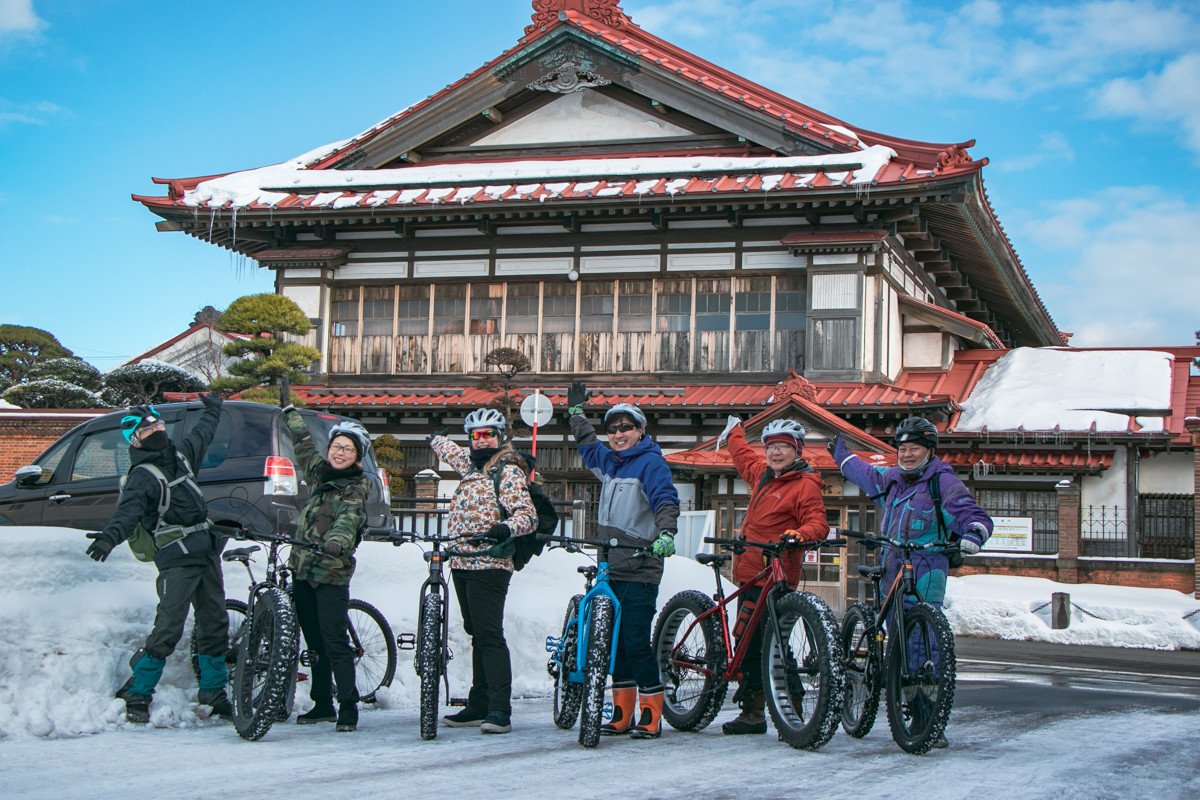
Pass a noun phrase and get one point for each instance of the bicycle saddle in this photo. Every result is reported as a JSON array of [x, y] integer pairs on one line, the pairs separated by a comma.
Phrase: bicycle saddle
[[239, 554], [713, 558]]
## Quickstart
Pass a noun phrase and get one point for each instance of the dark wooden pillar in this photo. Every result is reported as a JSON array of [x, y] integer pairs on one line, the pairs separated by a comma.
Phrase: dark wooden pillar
[[1193, 426], [1068, 531]]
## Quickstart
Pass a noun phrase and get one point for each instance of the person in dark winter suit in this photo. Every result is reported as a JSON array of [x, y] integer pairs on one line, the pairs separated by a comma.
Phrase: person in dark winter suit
[[187, 554], [638, 506], [333, 519]]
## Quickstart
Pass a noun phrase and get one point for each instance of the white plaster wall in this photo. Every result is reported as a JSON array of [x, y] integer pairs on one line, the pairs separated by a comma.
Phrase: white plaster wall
[[307, 297], [1166, 473], [583, 116], [895, 334], [1109, 488], [923, 349], [870, 306]]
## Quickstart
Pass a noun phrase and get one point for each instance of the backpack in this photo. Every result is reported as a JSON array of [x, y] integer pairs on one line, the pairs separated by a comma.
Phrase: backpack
[[146, 543], [954, 558], [523, 548]]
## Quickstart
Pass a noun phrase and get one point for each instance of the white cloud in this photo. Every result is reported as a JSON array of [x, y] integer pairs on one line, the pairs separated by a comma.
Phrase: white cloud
[[18, 19], [1053, 146], [1159, 100], [38, 113], [1131, 273]]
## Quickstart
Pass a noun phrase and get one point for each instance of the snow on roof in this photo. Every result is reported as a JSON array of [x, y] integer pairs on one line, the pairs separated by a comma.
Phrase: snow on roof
[[1044, 388], [273, 184]]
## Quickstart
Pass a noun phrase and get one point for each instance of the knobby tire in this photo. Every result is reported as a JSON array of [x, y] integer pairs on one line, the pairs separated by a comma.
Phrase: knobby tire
[[862, 670], [568, 696], [694, 677], [595, 669], [266, 665], [374, 647], [431, 658], [804, 690], [920, 694]]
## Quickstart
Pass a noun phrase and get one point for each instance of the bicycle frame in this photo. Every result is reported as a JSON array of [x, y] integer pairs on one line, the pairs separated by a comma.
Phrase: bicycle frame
[[583, 621], [436, 583], [889, 610]]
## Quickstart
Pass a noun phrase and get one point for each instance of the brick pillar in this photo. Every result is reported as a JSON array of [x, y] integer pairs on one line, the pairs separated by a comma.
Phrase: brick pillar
[[1068, 531], [426, 481], [1193, 427]]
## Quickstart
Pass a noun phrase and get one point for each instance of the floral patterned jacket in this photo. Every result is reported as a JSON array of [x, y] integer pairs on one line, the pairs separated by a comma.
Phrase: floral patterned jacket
[[475, 507]]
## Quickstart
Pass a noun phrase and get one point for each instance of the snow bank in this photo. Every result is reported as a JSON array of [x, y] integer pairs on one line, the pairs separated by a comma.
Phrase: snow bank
[[1039, 388]]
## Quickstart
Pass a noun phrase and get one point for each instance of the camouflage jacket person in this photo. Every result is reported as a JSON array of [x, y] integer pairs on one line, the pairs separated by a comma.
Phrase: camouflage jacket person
[[336, 510]]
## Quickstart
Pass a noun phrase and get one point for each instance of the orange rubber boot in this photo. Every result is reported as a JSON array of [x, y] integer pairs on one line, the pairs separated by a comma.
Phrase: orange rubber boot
[[649, 724], [624, 700]]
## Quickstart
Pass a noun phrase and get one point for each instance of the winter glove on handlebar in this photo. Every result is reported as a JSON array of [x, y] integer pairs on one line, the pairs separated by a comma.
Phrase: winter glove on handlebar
[[332, 548], [790, 537], [497, 533], [577, 395], [972, 540], [100, 547], [664, 545], [733, 422], [954, 554]]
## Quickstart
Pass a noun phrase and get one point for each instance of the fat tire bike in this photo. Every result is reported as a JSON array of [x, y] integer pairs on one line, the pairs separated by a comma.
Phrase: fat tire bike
[[801, 650], [915, 669], [431, 642], [583, 656]]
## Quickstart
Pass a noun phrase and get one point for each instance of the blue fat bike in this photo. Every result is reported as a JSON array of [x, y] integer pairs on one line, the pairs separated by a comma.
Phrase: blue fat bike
[[582, 657]]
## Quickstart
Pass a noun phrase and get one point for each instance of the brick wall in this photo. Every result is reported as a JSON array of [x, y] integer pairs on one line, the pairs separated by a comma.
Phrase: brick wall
[[1147, 574], [25, 433]]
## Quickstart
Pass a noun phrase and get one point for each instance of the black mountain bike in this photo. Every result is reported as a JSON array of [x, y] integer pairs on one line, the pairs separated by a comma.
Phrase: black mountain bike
[[916, 667], [431, 642]]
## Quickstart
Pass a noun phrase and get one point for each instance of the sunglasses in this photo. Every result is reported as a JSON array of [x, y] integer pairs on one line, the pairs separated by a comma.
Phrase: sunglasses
[[624, 427], [477, 435]]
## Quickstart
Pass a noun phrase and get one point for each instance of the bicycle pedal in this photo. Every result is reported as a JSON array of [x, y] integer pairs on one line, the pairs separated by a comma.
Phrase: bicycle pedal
[[553, 644], [458, 702], [406, 641], [308, 657]]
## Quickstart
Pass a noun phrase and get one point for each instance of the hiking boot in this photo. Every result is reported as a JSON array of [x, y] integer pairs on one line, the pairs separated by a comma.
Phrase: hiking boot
[[219, 701], [624, 699], [496, 722], [752, 720], [321, 712], [137, 708], [347, 718], [649, 725], [467, 718]]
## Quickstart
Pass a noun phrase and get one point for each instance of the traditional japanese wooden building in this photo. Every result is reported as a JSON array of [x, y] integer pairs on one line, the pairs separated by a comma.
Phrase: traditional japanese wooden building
[[625, 213]]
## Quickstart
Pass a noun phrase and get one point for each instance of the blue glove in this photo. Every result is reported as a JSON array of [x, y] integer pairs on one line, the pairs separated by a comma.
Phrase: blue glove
[[664, 545], [839, 451], [972, 539]]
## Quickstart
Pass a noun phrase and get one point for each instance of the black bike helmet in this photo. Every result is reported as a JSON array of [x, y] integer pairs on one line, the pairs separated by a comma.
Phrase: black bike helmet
[[917, 431]]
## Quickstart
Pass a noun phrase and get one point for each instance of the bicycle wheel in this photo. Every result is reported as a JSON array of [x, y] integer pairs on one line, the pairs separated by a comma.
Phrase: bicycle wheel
[[568, 696], [236, 609], [920, 693], [429, 653], [595, 669], [692, 662], [266, 660], [862, 668], [802, 671], [374, 648]]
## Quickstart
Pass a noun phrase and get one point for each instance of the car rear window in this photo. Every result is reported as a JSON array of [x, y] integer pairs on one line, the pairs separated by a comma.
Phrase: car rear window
[[319, 426], [242, 433]]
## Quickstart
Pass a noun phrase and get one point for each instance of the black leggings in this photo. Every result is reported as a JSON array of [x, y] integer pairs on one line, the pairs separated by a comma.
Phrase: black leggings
[[322, 611]]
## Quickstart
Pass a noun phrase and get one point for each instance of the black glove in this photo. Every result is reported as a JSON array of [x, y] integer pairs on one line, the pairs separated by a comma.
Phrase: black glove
[[442, 432], [100, 547], [211, 400], [332, 548], [285, 392], [498, 533], [832, 448], [954, 555], [577, 395]]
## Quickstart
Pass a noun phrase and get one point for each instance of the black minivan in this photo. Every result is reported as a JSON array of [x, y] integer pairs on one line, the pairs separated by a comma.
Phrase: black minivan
[[249, 476]]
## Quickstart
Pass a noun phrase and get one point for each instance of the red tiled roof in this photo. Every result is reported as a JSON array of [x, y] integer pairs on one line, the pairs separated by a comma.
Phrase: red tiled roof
[[818, 458], [1029, 459], [937, 312]]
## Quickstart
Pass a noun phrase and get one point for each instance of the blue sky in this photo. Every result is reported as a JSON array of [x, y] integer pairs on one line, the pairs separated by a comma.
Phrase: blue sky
[[1088, 111]]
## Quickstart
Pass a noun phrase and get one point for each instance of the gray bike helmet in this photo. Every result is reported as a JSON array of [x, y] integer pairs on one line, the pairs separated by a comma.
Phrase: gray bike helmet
[[629, 410], [355, 433], [484, 418], [785, 427]]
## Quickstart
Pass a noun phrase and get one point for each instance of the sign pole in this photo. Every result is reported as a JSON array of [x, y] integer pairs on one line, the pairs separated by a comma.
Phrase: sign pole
[[533, 448]]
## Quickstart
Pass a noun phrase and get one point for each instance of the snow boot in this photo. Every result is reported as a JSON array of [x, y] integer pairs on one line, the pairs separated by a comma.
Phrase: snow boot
[[347, 718], [467, 718], [624, 700], [321, 712], [751, 720], [496, 722], [218, 700], [137, 708], [649, 725], [146, 672]]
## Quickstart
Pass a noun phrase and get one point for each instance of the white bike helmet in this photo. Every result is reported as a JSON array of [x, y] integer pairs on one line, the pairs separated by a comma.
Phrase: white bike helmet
[[484, 418], [355, 433], [629, 410], [785, 427]]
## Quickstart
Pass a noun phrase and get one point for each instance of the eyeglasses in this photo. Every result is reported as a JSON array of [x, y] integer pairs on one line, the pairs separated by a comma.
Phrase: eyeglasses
[[342, 448], [778, 448], [483, 434], [149, 426], [624, 427]]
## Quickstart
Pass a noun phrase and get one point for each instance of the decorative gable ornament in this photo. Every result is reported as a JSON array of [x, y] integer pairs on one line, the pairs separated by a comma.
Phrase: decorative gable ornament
[[567, 78], [547, 12]]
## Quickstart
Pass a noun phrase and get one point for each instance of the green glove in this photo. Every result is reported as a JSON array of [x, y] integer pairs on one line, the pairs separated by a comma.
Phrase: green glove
[[664, 545]]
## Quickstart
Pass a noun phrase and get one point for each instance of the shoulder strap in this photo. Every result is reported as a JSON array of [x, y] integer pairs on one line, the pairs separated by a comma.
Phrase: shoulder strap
[[935, 492], [164, 498], [496, 475]]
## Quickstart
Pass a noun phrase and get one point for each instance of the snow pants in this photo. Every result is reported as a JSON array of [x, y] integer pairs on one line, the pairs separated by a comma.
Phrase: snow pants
[[481, 595], [322, 611]]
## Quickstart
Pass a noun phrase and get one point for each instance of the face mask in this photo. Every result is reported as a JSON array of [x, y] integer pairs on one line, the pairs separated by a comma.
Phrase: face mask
[[156, 441], [482, 455]]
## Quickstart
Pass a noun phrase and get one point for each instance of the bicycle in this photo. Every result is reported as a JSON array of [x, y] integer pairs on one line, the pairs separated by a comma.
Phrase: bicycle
[[431, 642], [801, 651], [916, 670], [582, 658]]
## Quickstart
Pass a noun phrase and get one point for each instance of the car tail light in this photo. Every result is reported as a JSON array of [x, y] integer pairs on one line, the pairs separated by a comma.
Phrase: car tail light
[[386, 488], [281, 476]]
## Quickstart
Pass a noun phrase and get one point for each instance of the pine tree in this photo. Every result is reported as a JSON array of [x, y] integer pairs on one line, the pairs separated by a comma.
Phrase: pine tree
[[266, 357]]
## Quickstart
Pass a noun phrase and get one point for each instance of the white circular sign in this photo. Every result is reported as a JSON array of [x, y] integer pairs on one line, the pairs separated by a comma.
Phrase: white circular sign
[[536, 410]]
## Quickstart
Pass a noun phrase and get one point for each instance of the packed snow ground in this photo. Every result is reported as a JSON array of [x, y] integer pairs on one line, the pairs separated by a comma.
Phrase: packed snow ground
[[68, 626]]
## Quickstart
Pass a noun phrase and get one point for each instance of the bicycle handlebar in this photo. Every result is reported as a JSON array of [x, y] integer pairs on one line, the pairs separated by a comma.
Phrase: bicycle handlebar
[[236, 532], [873, 540], [778, 546], [574, 543]]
